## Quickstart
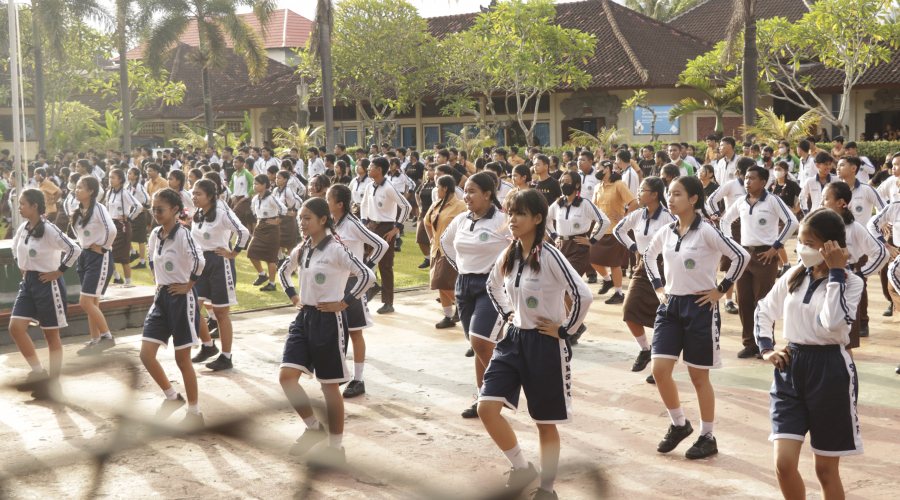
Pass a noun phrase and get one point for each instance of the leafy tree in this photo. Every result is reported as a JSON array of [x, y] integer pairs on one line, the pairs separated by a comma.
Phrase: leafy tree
[[216, 20], [718, 99], [470, 141], [528, 54], [661, 10], [640, 100], [772, 128], [844, 36], [295, 136]]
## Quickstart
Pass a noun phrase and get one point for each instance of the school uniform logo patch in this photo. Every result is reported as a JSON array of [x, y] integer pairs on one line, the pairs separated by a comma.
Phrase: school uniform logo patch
[[859, 209], [320, 278], [206, 236], [819, 320], [483, 236], [763, 222], [690, 264], [169, 266], [380, 204], [531, 302], [266, 213], [86, 233], [32, 253], [577, 225]]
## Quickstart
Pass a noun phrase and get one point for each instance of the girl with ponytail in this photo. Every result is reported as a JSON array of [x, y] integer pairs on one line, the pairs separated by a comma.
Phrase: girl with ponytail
[[124, 208], [141, 221], [267, 235], [437, 219]]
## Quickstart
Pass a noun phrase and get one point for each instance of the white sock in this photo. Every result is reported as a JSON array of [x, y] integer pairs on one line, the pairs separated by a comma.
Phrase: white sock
[[262, 274], [226, 354], [96, 340], [171, 393], [271, 282], [706, 429], [211, 313], [195, 409], [334, 440], [280, 254], [729, 301], [448, 311], [516, 457], [37, 368], [607, 278], [142, 261], [106, 335], [208, 344], [358, 371], [116, 275], [547, 479], [677, 416], [618, 289], [311, 422], [643, 342], [127, 281]]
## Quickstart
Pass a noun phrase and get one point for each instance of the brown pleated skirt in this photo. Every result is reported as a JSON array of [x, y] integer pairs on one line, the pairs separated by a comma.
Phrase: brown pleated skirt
[[579, 256], [421, 235], [265, 241], [244, 211], [290, 233], [121, 249], [641, 301], [443, 275], [608, 252], [139, 228]]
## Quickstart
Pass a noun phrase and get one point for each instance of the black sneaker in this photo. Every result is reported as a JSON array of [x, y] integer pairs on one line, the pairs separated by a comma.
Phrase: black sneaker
[[643, 359], [703, 448], [120, 281], [675, 435], [191, 422], [133, 257], [397, 244], [519, 479], [168, 407], [864, 330], [573, 339], [651, 380], [730, 308], [385, 309], [270, 287], [471, 412], [889, 311], [139, 265], [897, 370], [455, 316], [605, 287], [94, 348], [631, 272], [214, 333], [212, 324], [542, 494], [260, 279], [221, 363], [372, 292], [425, 264], [748, 352], [438, 300], [33, 381], [307, 440], [205, 353], [445, 323], [592, 279], [616, 298], [470, 353], [355, 388]]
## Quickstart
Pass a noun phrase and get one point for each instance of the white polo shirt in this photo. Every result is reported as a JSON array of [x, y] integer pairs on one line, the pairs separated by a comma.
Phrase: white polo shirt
[[99, 230], [588, 181], [759, 221], [890, 214], [644, 225], [358, 188], [323, 271], [865, 198], [356, 236], [51, 252], [505, 188], [866, 170], [731, 191], [632, 180], [473, 245], [812, 188], [316, 167], [268, 207], [380, 204], [571, 220], [726, 169], [174, 258], [859, 243], [889, 190], [807, 168], [122, 203], [211, 236]]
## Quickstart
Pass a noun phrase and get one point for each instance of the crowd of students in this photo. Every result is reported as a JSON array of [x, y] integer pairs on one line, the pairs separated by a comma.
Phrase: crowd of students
[[509, 241]]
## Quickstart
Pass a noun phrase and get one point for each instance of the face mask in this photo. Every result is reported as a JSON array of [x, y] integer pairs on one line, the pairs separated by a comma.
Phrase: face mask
[[809, 257], [567, 188], [782, 151], [600, 174], [779, 174], [766, 158]]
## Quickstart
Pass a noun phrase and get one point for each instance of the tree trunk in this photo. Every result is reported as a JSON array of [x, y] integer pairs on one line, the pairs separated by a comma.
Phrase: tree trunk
[[327, 83], [652, 124], [40, 107], [124, 91], [720, 126], [207, 107], [750, 73]]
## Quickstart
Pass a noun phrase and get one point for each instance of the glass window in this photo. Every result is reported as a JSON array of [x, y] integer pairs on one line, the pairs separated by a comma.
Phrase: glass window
[[351, 138], [432, 136], [454, 128], [409, 136], [542, 133], [501, 138]]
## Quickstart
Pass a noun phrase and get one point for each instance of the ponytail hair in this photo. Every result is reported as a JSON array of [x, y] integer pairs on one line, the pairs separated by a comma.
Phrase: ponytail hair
[[212, 192], [529, 201], [842, 191], [826, 225], [36, 197], [85, 213], [217, 180], [342, 195], [179, 176], [137, 173], [657, 185], [263, 179], [694, 187], [485, 180], [449, 183]]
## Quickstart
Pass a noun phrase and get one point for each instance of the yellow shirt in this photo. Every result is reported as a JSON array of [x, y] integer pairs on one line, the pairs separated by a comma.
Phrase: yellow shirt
[[51, 195], [154, 186], [613, 199], [438, 221]]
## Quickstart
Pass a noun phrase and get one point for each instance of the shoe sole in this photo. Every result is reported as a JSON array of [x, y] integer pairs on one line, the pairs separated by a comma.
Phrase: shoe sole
[[346, 396], [716, 451]]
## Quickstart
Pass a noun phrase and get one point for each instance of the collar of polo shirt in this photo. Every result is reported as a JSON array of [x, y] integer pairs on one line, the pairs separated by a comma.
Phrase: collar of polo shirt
[[694, 225], [762, 197], [655, 214], [487, 215]]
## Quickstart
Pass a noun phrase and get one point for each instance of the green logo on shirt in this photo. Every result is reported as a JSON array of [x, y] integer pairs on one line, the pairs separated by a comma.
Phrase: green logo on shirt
[[170, 266], [531, 302], [266, 213], [380, 204], [859, 209], [690, 264], [86, 233], [483, 236], [577, 225], [205, 236], [320, 278], [762, 222], [32, 253]]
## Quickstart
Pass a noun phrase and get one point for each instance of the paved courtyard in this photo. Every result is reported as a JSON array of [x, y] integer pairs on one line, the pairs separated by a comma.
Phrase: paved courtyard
[[405, 438]]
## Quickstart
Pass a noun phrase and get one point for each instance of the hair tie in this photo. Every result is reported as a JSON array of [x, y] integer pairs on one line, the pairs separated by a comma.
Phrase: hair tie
[[43, 218]]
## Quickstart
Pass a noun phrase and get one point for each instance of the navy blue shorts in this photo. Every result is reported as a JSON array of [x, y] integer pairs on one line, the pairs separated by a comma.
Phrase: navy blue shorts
[[817, 393], [684, 328], [176, 316], [479, 318], [536, 363], [216, 284], [317, 345], [94, 272], [41, 302], [358, 317]]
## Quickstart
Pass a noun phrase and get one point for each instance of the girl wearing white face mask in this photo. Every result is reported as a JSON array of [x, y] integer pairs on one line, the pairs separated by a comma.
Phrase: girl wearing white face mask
[[784, 153], [789, 191], [815, 382]]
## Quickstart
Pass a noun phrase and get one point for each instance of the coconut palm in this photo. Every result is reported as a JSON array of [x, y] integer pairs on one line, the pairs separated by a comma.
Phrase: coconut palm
[[470, 142], [320, 48], [772, 128], [605, 137], [295, 136], [216, 20], [661, 10], [719, 100]]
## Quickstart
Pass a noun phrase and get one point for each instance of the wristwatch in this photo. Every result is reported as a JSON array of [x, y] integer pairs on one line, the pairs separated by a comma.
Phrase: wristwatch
[[721, 288]]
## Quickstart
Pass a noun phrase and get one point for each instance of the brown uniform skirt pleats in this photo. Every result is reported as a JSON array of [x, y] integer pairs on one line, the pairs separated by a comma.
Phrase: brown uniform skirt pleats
[[121, 249], [265, 241], [641, 301]]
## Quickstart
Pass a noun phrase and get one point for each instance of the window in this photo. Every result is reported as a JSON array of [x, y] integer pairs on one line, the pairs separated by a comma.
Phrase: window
[[156, 128], [501, 138], [351, 138], [432, 135], [409, 136], [542, 134], [446, 130]]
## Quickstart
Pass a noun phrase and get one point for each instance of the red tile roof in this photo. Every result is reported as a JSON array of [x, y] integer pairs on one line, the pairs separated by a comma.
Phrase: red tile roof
[[287, 29], [709, 20]]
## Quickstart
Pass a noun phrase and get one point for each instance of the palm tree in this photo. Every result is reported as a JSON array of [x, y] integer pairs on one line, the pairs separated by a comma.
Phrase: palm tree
[[216, 20], [470, 141], [719, 100], [320, 47], [661, 10], [605, 137], [49, 26], [123, 13], [743, 19], [295, 136], [772, 128]]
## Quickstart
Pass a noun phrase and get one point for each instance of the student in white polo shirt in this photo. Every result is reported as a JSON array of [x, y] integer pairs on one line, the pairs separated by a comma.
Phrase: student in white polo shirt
[[865, 196], [731, 191], [316, 165], [630, 177], [759, 213], [807, 166], [586, 172], [726, 168], [811, 189], [866, 169]]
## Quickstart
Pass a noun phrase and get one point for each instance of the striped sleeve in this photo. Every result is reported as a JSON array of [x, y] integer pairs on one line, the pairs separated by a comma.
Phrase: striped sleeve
[[578, 291], [243, 234], [196, 256], [877, 223], [769, 310], [365, 278], [401, 202], [622, 228], [843, 289], [602, 220], [894, 274], [495, 287], [878, 254], [108, 225], [136, 207], [790, 222], [70, 250], [740, 259], [712, 203], [652, 252], [446, 240], [288, 268], [379, 246]]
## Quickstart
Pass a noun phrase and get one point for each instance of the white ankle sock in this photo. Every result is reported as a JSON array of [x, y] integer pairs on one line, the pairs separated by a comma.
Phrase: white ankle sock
[[195, 409], [142, 261], [106, 335], [37, 368], [618, 289], [96, 340], [643, 342], [311, 422], [729, 301], [706, 429], [547, 479], [516, 457], [208, 344], [448, 311], [127, 281], [116, 275], [262, 274], [335, 440], [607, 278], [358, 371], [677, 416], [226, 354], [271, 282], [171, 393]]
